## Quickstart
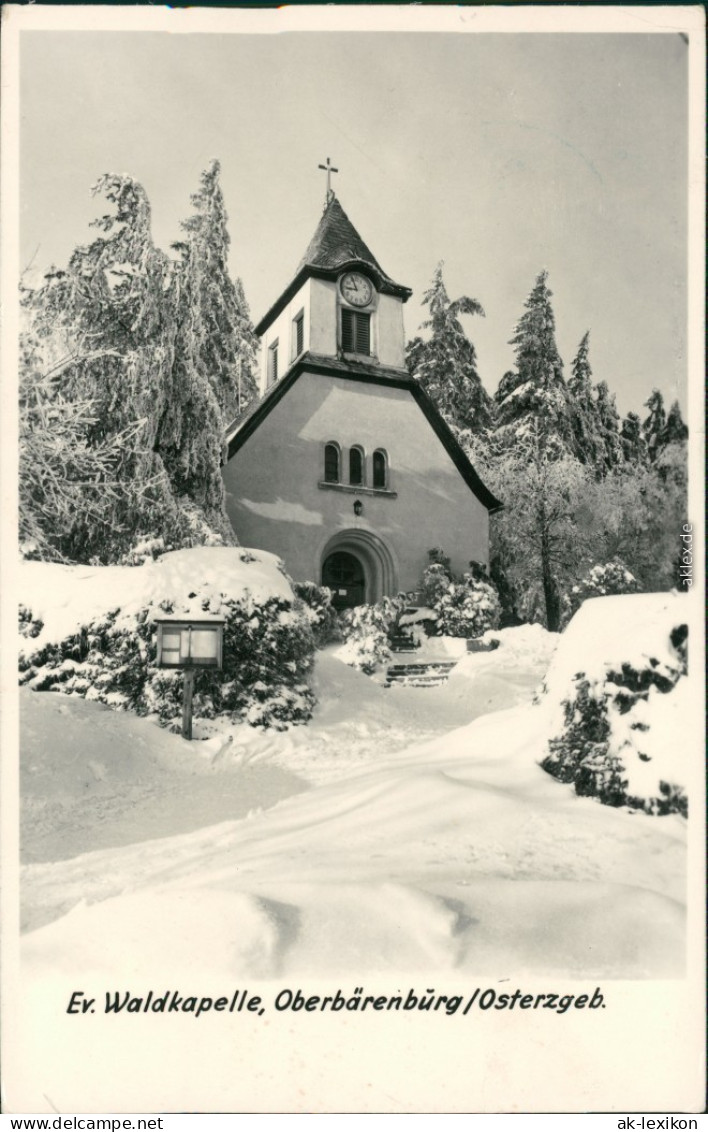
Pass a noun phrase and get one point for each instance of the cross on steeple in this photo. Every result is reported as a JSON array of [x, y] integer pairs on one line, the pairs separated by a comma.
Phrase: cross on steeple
[[329, 170]]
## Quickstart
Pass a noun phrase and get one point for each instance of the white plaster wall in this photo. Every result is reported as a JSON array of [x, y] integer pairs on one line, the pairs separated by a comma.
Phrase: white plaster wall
[[274, 501], [323, 317], [390, 333], [319, 298], [282, 330]]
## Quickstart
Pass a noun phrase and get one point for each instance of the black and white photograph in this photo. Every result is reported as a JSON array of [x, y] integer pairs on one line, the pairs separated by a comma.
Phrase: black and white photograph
[[353, 513]]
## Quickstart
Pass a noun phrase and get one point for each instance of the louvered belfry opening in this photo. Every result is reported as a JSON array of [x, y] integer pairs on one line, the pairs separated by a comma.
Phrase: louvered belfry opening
[[273, 363], [299, 333], [356, 332]]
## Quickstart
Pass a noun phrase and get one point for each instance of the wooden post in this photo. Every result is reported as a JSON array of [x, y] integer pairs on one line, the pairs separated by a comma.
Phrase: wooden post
[[187, 703]]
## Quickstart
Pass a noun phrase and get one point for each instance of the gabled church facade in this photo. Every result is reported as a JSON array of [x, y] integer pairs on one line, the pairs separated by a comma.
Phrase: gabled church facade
[[344, 467]]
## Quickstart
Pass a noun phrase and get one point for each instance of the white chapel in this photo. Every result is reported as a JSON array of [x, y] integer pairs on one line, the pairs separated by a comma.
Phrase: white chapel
[[344, 467]]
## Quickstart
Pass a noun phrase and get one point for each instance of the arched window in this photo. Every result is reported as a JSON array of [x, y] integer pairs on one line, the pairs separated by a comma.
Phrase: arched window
[[380, 469], [356, 466], [331, 463]]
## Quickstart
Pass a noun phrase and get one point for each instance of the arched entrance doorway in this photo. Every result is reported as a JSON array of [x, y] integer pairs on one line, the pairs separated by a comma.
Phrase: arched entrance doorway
[[343, 573], [367, 566]]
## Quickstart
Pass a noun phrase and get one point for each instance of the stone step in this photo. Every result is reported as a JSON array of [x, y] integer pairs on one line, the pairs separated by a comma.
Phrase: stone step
[[424, 666], [425, 674], [421, 677], [415, 683]]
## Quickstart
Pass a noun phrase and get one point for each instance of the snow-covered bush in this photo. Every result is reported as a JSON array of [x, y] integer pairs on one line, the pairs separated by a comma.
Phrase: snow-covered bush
[[436, 577], [110, 656], [619, 678], [434, 583], [366, 630], [601, 581], [322, 614], [267, 661], [467, 608], [28, 624], [463, 607]]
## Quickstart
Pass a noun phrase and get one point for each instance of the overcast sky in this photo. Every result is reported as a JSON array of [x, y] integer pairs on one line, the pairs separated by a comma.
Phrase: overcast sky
[[499, 154]]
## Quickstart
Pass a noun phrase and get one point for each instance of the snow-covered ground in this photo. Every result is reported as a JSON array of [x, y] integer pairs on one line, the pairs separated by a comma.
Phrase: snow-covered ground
[[93, 778], [403, 829]]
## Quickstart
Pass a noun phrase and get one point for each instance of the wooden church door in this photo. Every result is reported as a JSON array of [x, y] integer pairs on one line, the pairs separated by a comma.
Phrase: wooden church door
[[343, 574]]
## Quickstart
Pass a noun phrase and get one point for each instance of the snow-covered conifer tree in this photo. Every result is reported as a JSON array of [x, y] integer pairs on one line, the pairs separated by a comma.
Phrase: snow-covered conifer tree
[[445, 364], [104, 329], [222, 340], [532, 401], [675, 430], [654, 424], [608, 423], [583, 413], [212, 378], [633, 445], [69, 489]]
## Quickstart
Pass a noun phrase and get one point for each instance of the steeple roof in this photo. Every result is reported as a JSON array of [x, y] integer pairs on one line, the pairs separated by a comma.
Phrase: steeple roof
[[336, 242], [335, 245]]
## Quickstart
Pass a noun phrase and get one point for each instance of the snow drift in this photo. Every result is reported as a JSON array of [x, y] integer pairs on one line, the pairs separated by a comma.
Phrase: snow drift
[[422, 845]]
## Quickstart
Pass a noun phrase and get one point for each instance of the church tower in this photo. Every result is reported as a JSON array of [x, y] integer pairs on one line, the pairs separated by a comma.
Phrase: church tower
[[340, 305], [344, 468]]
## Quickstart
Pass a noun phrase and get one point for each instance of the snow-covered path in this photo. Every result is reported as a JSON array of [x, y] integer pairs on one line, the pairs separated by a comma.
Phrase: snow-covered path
[[424, 841], [94, 779], [358, 724]]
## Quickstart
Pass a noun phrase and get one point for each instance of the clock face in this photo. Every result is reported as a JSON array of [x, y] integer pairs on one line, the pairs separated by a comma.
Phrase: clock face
[[356, 289]]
